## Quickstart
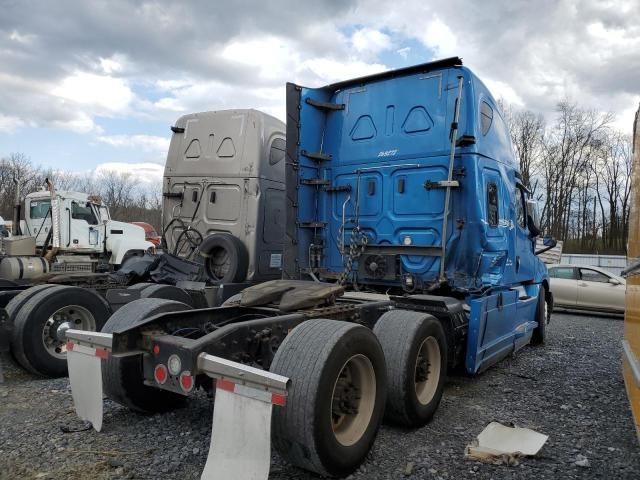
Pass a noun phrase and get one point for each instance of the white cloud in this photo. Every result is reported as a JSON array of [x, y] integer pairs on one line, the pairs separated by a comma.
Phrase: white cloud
[[370, 41], [438, 35], [504, 91], [270, 57], [146, 143], [107, 94], [25, 39], [404, 52], [330, 70], [113, 64], [81, 122], [148, 173], [10, 124], [198, 57]]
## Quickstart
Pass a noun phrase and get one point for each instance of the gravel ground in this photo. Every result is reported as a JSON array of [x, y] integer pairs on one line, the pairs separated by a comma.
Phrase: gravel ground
[[571, 389]]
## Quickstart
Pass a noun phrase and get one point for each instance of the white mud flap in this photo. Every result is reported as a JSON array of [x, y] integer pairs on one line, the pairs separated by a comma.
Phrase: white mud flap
[[241, 438], [85, 376], [85, 351], [240, 447]]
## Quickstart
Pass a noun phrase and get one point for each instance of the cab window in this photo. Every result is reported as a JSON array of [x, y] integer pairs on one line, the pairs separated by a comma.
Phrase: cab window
[[83, 212], [492, 205], [277, 152], [39, 209], [592, 276], [562, 272], [486, 117], [521, 208]]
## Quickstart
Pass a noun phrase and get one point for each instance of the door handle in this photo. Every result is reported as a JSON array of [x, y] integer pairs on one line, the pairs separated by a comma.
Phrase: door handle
[[582, 284]]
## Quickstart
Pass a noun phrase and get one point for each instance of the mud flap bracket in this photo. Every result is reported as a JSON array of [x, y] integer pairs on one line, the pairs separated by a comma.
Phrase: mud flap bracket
[[241, 429]]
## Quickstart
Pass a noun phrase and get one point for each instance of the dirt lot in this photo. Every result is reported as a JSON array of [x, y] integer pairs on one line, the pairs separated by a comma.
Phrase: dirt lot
[[571, 389]]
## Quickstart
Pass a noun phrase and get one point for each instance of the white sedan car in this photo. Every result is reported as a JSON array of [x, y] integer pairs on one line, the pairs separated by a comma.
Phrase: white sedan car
[[586, 288]]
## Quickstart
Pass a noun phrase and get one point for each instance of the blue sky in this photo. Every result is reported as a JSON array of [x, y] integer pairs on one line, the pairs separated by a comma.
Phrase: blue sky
[[99, 87]]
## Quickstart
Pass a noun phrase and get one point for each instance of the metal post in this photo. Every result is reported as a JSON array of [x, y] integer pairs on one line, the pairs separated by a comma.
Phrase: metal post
[[447, 195]]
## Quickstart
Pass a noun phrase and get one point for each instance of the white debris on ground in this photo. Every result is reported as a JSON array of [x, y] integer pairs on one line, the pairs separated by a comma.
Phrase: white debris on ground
[[500, 444]]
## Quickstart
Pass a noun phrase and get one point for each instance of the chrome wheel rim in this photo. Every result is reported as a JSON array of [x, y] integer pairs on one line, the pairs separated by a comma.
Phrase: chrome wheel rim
[[353, 400], [427, 370], [55, 327]]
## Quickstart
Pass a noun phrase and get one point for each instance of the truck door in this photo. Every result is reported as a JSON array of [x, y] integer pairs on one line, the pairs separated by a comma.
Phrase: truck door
[[494, 326], [495, 202], [81, 222], [523, 242], [564, 285], [595, 291], [39, 221]]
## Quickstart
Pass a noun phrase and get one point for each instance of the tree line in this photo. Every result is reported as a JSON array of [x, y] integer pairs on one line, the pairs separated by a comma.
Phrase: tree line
[[578, 167], [128, 201]]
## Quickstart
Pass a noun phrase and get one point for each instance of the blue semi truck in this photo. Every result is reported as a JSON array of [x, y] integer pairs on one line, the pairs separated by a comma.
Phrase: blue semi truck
[[402, 185]]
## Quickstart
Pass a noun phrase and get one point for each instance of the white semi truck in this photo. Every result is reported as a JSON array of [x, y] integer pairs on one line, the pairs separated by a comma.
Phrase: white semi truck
[[68, 232], [49, 268]]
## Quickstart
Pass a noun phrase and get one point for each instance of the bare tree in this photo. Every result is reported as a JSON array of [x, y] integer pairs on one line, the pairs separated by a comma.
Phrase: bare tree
[[126, 200], [527, 133]]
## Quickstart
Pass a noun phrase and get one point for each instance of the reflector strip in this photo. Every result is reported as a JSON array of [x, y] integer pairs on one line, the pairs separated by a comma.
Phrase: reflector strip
[[93, 352], [250, 392]]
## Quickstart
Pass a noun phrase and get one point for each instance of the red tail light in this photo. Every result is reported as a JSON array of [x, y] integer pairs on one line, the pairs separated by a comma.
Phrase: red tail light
[[186, 381], [160, 374]]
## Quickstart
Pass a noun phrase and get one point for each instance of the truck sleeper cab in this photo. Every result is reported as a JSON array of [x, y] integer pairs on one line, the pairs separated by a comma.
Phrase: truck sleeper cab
[[407, 181], [369, 164], [224, 185]]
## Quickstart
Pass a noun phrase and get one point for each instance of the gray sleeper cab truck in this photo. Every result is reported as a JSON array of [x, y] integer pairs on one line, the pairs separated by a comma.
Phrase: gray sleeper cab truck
[[405, 182], [223, 193]]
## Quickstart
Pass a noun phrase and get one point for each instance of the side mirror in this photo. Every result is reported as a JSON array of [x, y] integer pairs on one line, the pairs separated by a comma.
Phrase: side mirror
[[613, 281]]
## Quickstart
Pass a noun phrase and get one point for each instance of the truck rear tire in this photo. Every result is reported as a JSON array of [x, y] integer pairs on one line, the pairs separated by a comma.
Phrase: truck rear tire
[[226, 258], [542, 317], [38, 342], [415, 348], [19, 300], [123, 377], [167, 292], [336, 398]]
